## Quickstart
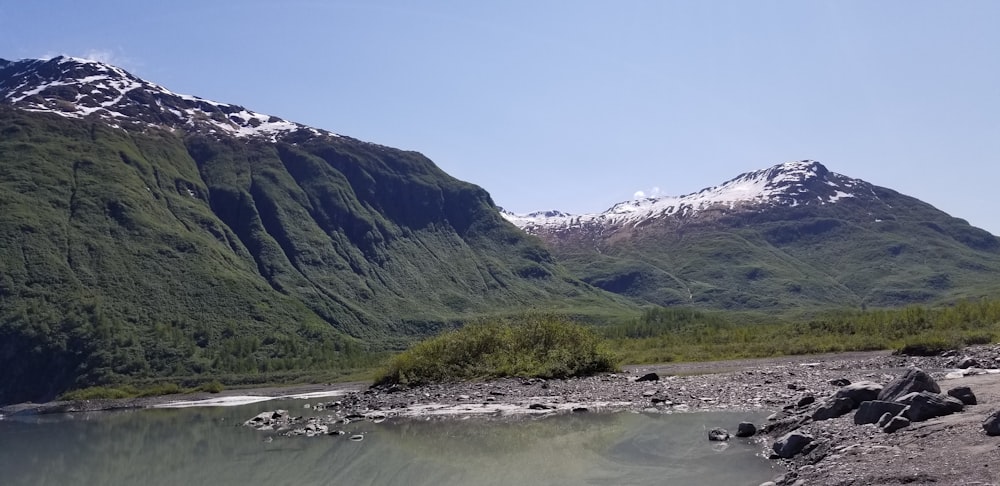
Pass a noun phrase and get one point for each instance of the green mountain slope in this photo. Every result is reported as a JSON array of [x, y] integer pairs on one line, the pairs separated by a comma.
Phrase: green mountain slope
[[870, 247], [149, 253]]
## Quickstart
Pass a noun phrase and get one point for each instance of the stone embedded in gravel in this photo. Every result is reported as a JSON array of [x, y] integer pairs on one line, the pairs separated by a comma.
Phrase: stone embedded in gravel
[[992, 423], [791, 444], [805, 400], [963, 394], [895, 423], [718, 434], [967, 362], [746, 429], [871, 411], [861, 391], [840, 382], [649, 377], [913, 380], [925, 405], [833, 408]]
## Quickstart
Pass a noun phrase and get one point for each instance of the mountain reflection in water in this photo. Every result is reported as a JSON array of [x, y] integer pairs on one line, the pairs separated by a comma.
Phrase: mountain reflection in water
[[207, 446]]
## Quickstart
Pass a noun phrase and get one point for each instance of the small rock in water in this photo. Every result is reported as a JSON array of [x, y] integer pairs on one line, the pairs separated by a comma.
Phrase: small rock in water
[[540, 406], [357, 438], [580, 410], [746, 429], [718, 434]]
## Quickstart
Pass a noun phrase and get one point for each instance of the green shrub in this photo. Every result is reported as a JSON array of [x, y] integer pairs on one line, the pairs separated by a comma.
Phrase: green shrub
[[529, 346], [98, 393], [213, 386], [160, 389]]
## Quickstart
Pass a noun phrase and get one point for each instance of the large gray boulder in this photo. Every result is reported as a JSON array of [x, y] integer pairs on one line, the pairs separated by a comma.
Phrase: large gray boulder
[[913, 380], [791, 444], [833, 408], [992, 423], [861, 391], [964, 394], [925, 405], [871, 411]]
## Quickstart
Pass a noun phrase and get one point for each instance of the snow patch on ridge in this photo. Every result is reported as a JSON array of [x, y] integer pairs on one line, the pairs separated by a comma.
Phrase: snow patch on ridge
[[788, 184], [78, 88]]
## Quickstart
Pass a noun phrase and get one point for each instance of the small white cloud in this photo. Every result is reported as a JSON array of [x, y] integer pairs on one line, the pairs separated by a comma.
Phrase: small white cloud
[[642, 194], [107, 57]]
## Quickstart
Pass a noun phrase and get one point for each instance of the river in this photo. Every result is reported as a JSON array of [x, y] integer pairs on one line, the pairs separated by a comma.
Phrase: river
[[206, 445]]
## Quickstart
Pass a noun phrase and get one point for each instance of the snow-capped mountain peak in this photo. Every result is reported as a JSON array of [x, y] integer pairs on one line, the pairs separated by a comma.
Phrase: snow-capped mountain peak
[[796, 183], [81, 88]]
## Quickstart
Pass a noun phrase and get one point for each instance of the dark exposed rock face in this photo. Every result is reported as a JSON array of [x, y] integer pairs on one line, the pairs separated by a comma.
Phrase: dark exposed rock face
[[861, 391], [791, 444], [992, 423], [963, 394], [871, 411], [913, 380], [926, 405], [833, 408]]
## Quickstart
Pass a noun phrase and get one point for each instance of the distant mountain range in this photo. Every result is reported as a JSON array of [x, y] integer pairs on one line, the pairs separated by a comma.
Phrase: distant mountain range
[[793, 236], [146, 234]]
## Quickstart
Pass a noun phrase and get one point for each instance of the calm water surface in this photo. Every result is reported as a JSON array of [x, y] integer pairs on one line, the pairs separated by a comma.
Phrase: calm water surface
[[196, 446]]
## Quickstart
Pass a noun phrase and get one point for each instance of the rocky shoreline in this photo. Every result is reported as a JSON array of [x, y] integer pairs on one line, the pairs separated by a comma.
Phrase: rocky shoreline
[[803, 391]]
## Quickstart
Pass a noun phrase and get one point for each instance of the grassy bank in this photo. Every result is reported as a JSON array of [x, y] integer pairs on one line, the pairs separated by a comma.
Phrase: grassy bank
[[662, 335]]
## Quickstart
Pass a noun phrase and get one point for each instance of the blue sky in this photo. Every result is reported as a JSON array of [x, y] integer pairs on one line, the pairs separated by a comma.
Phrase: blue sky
[[577, 105]]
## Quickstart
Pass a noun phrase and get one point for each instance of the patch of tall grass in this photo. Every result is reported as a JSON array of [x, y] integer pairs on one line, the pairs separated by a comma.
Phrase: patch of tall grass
[[529, 346], [662, 335]]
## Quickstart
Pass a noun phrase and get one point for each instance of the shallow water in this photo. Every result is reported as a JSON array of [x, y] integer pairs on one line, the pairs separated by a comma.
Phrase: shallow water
[[206, 446]]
